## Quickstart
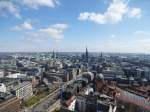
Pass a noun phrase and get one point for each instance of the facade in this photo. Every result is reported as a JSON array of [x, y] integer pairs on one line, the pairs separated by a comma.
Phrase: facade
[[80, 105], [3, 88], [86, 104], [16, 75], [147, 73], [72, 73], [91, 104], [23, 90], [1, 74]]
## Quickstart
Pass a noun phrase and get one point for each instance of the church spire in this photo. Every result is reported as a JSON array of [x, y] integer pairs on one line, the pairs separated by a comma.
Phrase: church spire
[[101, 54], [86, 55], [53, 55]]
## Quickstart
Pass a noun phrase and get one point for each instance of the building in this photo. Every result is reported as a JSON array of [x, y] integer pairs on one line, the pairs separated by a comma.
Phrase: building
[[16, 75], [133, 102], [23, 90], [1, 74], [80, 105], [35, 81], [3, 88], [9, 103], [53, 55], [112, 73], [146, 73], [72, 73], [86, 55], [86, 104], [91, 104]]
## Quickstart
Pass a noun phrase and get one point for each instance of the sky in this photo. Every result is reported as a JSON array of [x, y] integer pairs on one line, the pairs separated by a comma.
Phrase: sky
[[71, 25]]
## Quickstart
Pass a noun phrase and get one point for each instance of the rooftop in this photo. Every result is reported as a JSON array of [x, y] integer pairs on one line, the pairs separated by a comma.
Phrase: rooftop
[[21, 85]]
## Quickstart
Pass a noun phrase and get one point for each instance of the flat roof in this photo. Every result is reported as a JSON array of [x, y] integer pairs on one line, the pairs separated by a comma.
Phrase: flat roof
[[21, 85]]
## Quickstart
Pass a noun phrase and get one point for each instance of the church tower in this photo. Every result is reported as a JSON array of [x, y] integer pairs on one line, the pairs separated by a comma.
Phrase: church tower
[[86, 55], [53, 55]]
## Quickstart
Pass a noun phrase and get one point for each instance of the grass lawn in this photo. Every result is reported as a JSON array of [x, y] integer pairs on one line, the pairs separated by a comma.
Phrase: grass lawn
[[42, 94], [31, 101], [36, 98]]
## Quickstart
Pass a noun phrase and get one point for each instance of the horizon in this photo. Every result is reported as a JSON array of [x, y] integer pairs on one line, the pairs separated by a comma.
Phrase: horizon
[[90, 52]]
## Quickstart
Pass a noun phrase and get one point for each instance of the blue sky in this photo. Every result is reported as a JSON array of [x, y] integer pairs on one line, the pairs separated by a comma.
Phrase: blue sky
[[70, 25]]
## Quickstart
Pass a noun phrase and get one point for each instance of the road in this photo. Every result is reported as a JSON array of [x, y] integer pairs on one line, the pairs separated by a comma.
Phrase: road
[[48, 101], [55, 106]]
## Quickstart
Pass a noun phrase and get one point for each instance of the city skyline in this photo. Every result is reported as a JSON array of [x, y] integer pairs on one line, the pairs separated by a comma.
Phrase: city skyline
[[71, 25]]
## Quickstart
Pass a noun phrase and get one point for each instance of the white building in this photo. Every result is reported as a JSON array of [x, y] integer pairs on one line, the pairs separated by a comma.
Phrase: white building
[[23, 90], [1, 74], [2, 88], [16, 75]]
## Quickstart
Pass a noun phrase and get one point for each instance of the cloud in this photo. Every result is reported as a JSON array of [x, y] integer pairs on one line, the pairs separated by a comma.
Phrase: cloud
[[112, 36], [22, 27], [35, 4], [9, 7], [53, 31], [13, 7], [142, 33], [139, 43], [136, 45], [116, 11], [134, 12]]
